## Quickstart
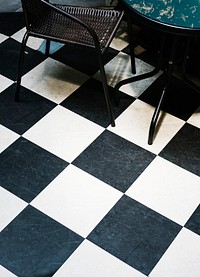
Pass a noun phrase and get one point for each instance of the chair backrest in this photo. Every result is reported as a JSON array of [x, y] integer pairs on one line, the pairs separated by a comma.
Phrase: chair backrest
[[92, 27], [34, 11]]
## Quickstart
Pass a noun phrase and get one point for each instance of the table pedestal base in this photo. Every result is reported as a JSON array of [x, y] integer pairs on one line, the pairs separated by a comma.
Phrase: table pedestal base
[[168, 76]]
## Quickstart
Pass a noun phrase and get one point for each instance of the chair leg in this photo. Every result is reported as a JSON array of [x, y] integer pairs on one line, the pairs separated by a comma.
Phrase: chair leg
[[20, 67], [131, 44], [47, 50], [106, 90]]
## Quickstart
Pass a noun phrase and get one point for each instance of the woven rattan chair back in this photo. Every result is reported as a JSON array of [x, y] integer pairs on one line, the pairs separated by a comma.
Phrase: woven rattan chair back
[[92, 27]]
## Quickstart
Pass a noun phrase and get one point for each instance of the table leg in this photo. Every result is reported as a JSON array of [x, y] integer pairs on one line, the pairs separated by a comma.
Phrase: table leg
[[168, 73], [167, 82], [131, 43], [142, 76]]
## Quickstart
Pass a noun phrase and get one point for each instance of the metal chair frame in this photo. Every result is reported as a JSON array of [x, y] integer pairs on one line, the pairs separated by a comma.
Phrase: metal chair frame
[[66, 14]]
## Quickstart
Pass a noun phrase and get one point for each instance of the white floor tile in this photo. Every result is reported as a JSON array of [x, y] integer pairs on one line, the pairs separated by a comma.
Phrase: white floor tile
[[167, 189], [119, 43], [5, 273], [32, 42], [119, 68], [64, 133], [4, 83], [7, 137], [10, 207], [181, 258], [78, 200], [91, 261], [133, 124], [53, 80], [3, 37], [195, 118], [120, 40]]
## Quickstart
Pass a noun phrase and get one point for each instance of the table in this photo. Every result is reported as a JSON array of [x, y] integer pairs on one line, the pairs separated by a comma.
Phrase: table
[[174, 18]]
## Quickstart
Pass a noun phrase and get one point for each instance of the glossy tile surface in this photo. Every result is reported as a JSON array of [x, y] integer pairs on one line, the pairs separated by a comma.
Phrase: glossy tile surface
[[78, 197], [181, 264], [29, 167], [103, 159], [94, 261], [92, 197], [39, 234], [122, 234], [59, 141]]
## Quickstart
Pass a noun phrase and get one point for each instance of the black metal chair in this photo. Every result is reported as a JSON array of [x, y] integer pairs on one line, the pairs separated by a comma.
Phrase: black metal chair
[[86, 26]]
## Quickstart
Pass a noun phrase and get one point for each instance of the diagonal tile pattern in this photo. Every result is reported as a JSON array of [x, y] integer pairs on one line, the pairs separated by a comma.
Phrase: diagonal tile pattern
[[78, 197]]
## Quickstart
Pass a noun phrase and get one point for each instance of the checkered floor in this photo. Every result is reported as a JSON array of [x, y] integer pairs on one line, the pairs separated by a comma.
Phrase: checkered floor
[[78, 197]]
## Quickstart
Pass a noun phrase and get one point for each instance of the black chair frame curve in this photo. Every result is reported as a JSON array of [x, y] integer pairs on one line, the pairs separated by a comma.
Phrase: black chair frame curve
[[70, 15]]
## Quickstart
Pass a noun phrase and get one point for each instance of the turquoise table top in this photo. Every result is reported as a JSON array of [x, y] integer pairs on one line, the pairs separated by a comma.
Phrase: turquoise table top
[[178, 13]]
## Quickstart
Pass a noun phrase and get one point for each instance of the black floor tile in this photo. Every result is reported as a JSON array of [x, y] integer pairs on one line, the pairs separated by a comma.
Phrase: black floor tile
[[34, 245], [20, 116], [26, 169], [10, 23], [180, 100], [89, 102], [184, 149], [114, 160], [82, 59], [9, 56], [194, 222], [135, 234]]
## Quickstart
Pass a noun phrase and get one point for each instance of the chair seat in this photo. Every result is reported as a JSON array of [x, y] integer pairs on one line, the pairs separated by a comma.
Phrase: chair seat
[[58, 27]]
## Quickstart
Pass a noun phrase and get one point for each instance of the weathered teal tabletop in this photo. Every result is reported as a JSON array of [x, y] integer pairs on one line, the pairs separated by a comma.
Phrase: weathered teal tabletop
[[177, 13]]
